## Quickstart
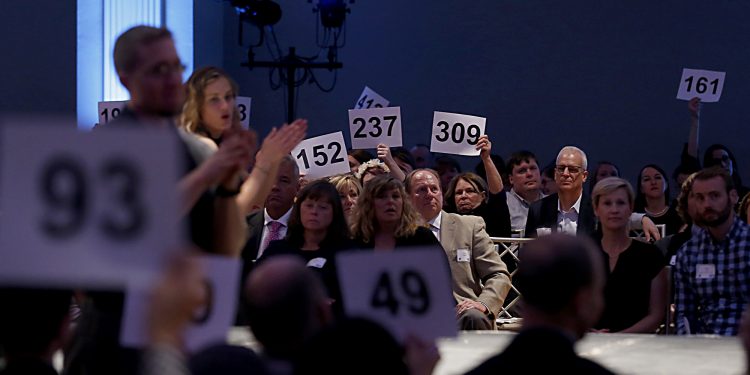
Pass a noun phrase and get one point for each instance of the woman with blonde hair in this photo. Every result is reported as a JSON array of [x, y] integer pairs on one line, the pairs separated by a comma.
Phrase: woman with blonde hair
[[349, 190], [210, 108], [385, 218], [636, 290], [210, 113]]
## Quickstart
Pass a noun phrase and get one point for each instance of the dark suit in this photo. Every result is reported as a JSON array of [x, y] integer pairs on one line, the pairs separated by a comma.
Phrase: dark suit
[[539, 351], [255, 223], [543, 214]]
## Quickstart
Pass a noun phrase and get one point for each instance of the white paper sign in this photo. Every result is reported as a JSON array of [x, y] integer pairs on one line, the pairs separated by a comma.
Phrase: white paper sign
[[454, 133], [210, 325], [704, 84], [86, 209], [370, 127], [322, 156], [243, 106], [109, 111], [407, 291], [370, 99]]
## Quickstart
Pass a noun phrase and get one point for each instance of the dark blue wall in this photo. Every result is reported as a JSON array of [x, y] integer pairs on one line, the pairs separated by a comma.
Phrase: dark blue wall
[[599, 74], [38, 58]]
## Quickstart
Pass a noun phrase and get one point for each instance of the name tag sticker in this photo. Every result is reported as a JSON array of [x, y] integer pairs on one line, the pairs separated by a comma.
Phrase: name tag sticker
[[705, 271], [462, 255], [317, 262]]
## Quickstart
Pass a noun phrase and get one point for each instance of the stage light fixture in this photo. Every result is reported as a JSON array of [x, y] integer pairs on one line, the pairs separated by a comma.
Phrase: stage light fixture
[[332, 13], [258, 12]]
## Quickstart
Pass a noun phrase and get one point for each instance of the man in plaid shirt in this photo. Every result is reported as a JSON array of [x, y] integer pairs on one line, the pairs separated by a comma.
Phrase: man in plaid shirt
[[713, 268]]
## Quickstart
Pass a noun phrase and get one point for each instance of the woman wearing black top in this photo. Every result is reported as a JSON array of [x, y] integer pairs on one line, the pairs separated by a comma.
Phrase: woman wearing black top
[[636, 289], [652, 198], [467, 194], [317, 231], [386, 220]]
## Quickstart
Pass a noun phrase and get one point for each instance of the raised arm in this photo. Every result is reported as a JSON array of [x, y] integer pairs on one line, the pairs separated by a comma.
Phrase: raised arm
[[694, 108], [277, 144], [384, 154], [494, 180]]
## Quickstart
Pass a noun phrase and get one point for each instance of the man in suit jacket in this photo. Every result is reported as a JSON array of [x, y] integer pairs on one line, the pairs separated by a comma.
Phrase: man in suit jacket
[[570, 210], [480, 278], [561, 279]]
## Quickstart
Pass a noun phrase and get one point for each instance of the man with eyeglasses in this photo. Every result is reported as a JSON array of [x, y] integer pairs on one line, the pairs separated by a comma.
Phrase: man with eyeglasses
[[570, 211], [480, 279], [149, 67]]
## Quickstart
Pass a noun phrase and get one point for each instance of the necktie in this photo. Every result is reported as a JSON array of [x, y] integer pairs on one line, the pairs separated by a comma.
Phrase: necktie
[[274, 233]]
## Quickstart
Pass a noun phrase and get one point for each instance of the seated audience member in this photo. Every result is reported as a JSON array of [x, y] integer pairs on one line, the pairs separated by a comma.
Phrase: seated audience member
[[357, 157], [468, 194], [525, 188], [549, 186], [636, 290], [447, 168], [403, 159], [349, 189], [386, 220], [570, 210], [371, 169], [711, 269], [686, 210], [561, 280], [376, 352], [480, 279], [34, 324], [286, 305], [317, 232], [603, 170], [652, 197], [272, 222], [423, 157], [715, 155], [745, 208]]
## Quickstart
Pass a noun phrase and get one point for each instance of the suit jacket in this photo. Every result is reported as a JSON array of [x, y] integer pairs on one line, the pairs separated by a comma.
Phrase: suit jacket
[[484, 277], [539, 351], [543, 214], [255, 233]]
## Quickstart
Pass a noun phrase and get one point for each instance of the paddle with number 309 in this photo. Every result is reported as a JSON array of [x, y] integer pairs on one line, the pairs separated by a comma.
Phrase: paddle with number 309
[[458, 134]]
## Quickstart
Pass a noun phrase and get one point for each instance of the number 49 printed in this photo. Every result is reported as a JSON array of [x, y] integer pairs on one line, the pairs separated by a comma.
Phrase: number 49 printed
[[704, 84]]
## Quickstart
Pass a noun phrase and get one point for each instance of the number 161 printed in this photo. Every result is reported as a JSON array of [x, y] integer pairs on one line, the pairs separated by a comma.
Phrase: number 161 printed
[[704, 84]]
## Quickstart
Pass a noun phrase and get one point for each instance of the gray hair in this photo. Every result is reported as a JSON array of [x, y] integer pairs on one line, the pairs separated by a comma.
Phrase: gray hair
[[569, 149], [295, 168]]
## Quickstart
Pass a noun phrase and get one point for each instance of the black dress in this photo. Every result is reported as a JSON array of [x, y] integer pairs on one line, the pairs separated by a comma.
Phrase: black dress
[[628, 289]]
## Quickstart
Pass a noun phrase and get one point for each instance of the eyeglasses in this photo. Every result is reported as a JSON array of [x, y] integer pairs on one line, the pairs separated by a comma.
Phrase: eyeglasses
[[468, 191], [572, 169], [165, 69]]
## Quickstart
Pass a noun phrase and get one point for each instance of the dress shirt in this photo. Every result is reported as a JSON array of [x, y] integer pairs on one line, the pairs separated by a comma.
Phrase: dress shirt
[[435, 224], [284, 220], [519, 209], [711, 280], [567, 222]]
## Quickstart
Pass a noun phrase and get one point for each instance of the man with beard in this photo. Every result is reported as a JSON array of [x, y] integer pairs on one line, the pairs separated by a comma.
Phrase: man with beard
[[713, 267]]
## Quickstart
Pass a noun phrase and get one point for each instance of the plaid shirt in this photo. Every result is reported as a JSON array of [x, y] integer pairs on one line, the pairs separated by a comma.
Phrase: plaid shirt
[[711, 281]]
